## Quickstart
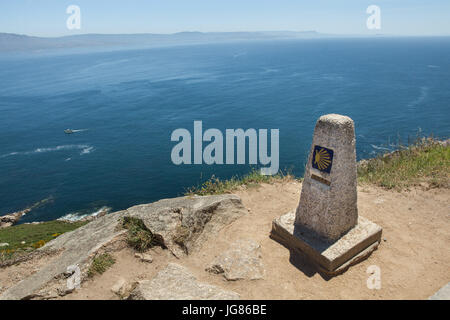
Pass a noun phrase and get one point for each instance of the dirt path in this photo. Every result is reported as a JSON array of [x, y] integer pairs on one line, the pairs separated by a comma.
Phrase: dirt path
[[413, 257]]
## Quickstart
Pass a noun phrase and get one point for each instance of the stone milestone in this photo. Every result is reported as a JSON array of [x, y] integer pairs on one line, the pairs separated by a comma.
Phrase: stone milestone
[[325, 226]]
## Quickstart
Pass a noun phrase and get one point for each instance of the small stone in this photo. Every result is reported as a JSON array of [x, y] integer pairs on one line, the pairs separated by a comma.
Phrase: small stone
[[4, 244], [384, 239], [118, 286], [63, 291], [23, 242], [144, 257], [122, 288]]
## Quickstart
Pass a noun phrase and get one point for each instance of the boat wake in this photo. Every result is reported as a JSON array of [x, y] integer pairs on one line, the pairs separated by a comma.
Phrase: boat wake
[[85, 149]]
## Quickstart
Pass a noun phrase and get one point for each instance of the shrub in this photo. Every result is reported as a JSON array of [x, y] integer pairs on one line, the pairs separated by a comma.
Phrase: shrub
[[139, 236]]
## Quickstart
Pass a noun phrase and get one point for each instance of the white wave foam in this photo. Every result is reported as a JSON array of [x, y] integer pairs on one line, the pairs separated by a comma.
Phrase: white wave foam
[[380, 148], [76, 216], [87, 150], [270, 70], [422, 96], [84, 149], [239, 54]]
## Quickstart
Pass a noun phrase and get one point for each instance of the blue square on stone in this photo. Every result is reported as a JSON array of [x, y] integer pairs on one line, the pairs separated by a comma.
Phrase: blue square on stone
[[322, 159]]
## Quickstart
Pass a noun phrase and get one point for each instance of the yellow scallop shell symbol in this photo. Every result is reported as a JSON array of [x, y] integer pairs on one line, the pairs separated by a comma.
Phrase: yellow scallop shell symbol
[[322, 159]]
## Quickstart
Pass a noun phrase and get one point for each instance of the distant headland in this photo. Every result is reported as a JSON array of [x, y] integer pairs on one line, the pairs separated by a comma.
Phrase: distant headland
[[11, 42]]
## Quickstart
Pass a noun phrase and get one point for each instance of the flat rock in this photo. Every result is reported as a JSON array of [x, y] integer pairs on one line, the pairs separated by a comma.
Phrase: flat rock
[[177, 283], [185, 223], [241, 261]]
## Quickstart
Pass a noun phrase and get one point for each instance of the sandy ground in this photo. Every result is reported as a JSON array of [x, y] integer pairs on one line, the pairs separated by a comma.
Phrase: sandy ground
[[414, 255]]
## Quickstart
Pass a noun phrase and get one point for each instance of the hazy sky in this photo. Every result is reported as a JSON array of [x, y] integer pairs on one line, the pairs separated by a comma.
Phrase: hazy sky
[[398, 17]]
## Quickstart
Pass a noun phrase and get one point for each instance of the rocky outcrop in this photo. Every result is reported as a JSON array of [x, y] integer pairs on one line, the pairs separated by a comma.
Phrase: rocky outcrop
[[177, 283], [241, 261], [12, 218], [76, 247], [182, 224]]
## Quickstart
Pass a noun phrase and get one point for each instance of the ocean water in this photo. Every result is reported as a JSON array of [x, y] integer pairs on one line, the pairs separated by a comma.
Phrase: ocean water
[[126, 104]]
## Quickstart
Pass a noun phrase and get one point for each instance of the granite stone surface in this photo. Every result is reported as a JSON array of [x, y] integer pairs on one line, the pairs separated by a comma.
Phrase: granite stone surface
[[328, 202]]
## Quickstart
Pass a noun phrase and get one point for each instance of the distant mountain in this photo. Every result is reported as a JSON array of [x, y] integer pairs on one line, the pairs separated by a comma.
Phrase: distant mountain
[[10, 42]]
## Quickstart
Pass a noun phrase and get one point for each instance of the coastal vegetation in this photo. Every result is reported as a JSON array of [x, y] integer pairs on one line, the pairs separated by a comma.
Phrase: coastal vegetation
[[217, 186], [28, 237], [100, 264], [138, 236], [425, 162]]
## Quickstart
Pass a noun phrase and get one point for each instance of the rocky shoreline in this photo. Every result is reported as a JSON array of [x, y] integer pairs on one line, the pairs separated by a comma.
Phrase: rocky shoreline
[[12, 218]]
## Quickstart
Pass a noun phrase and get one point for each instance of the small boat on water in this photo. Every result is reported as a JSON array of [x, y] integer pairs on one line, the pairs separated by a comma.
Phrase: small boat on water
[[68, 131]]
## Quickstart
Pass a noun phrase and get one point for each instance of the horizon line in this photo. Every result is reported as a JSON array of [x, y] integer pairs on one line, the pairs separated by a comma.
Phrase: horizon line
[[219, 32]]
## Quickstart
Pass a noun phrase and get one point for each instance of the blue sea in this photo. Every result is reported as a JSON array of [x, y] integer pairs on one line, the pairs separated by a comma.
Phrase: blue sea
[[124, 105]]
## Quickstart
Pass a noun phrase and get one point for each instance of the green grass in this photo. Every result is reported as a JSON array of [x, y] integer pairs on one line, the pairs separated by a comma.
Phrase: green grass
[[100, 264], [253, 178], [138, 236], [425, 161], [34, 235]]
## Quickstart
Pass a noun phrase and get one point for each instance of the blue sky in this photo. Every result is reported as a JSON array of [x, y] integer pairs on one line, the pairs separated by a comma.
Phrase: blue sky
[[398, 17]]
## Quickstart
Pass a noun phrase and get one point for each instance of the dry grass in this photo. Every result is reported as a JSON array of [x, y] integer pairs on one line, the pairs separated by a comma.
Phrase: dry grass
[[425, 161], [100, 264], [138, 236], [253, 178]]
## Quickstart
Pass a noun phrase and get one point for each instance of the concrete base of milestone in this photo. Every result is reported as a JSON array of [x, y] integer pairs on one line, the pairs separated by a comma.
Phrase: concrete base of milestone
[[330, 258]]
